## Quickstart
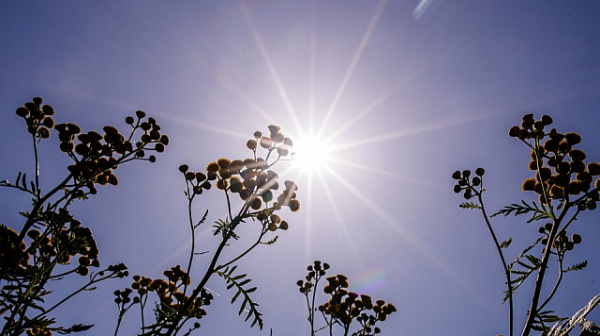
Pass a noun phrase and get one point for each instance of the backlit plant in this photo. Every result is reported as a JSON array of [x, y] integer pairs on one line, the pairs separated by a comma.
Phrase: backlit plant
[[51, 243], [256, 184], [343, 307], [565, 187]]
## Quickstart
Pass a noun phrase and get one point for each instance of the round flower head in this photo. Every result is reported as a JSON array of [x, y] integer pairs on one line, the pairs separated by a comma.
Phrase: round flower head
[[274, 129], [577, 155], [574, 187], [533, 165], [546, 120], [251, 144], [224, 163], [266, 142], [514, 131], [294, 205], [237, 165], [527, 120], [528, 184], [577, 166], [564, 146], [594, 168], [256, 203], [222, 184], [212, 167], [236, 185], [557, 192], [551, 145], [573, 138], [277, 137]]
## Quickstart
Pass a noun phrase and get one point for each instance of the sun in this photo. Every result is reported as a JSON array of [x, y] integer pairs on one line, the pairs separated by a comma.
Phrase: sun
[[311, 154]]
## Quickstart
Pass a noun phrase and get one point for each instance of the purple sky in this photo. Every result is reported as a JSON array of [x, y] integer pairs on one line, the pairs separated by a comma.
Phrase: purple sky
[[407, 96]]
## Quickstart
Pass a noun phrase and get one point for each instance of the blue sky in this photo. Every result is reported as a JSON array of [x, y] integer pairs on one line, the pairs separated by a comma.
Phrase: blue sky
[[408, 97]]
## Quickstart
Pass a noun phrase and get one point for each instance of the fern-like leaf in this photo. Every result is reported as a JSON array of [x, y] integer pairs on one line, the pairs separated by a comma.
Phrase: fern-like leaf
[[528, 269], [470, 205], [270, 242], [74, 328], [577, 267], [518, 209], [239, 281]]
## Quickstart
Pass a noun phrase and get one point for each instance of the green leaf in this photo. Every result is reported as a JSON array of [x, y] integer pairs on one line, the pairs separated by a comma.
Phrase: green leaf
[[239, 281], [506, 243], [577, 267], [470, 205], [270, 242], [202, 220], [74, 328], [518, 209]]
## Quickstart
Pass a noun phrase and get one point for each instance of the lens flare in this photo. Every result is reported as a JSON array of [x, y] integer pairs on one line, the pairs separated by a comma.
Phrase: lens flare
[[311, 154]]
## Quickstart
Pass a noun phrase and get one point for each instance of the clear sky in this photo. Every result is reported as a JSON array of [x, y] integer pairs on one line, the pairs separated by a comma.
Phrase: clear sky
[[406, 91]]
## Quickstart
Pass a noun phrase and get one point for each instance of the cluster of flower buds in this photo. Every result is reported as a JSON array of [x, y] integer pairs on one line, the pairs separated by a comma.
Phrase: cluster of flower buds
[[37, 117], [560, 168], [12, 257], [56, 244], [39, 332], [122, 297], [344, 306], [68, 243], [315, 272], [251, 179], [562, 241], [169, 291], [120, 270], [273, 220], [97, 155], [93, 153], [466, 183], [275, 141]]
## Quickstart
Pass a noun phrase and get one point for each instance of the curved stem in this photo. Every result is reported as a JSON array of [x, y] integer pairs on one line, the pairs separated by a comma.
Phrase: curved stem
[[504, 265], [556, 284], [262, 234], [192, 228]]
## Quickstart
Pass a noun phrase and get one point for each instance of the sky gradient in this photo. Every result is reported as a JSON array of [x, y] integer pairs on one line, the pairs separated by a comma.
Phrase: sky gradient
[[406, 91]]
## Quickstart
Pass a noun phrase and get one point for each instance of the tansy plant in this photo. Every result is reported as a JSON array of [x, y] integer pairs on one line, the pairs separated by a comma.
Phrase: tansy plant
[[565, 187], [51, 244], [261, 197], [343, 307]]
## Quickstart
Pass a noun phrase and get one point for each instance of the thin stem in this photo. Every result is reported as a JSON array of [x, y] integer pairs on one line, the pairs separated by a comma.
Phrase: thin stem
[[92, 281], [504, 265], [312, 306], [542, 271], [262, 234], [209, 272], [191, 220], [556, 284], [37, 166]]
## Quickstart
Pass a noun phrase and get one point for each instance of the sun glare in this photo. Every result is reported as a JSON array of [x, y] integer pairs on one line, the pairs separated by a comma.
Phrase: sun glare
[[311, 154]]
